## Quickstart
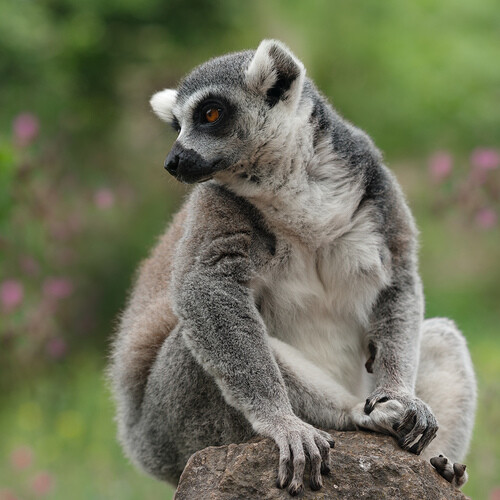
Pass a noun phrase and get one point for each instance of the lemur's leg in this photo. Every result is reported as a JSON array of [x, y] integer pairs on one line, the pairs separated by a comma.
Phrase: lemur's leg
[[183, 410], [446, 382]]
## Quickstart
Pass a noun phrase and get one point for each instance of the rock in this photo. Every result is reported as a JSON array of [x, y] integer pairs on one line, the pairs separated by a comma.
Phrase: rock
[[364, 465]]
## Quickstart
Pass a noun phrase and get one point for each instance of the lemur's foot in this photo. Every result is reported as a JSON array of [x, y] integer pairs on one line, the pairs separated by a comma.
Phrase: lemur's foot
[[453, 473]]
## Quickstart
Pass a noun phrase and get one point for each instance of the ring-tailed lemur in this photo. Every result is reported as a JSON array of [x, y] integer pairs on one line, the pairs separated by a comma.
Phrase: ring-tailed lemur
[[285, 296]]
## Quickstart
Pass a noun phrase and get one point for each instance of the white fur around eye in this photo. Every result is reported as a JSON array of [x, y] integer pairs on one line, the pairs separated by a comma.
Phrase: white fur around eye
[[163, 103]]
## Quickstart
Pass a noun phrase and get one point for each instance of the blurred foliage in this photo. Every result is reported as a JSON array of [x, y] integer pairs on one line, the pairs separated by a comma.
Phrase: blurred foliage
[[83, 194]]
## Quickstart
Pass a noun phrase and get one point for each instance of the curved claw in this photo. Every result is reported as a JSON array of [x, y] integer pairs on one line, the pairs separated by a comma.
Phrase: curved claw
[[299, 462], [285, 469], [423, 424], [428, 435]]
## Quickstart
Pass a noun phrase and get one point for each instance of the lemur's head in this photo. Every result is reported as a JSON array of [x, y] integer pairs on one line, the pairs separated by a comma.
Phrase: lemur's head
[[233, 112]]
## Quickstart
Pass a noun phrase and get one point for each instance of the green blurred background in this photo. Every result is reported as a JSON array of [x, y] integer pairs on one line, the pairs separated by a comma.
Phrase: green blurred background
[[83, 194]]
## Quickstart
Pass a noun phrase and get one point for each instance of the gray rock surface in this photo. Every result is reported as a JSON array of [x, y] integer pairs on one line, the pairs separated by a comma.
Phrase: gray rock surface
[[364, 465]]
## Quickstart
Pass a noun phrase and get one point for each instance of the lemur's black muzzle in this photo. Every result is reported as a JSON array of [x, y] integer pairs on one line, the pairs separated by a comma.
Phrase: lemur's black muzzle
[[188, 166]]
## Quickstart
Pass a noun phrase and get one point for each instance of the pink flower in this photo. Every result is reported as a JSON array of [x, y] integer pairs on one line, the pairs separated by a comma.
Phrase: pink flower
[[57, 288], [11, 294], [440, 166], [42, 483], [495, 494], [104, 198], [485, 159], [486, 218], [56, 348], [26, 128], [21, 457]]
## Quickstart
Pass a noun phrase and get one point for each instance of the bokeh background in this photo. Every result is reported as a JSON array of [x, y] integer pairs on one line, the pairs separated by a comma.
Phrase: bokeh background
[[83, 194]]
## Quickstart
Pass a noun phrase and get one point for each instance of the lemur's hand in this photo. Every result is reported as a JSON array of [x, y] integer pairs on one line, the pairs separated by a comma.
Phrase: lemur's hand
[[403, 415], [296, 440]]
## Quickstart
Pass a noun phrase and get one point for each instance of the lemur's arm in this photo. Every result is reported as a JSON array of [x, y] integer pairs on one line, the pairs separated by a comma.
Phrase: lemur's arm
[[394, 346], [225, 333], [395, 334]]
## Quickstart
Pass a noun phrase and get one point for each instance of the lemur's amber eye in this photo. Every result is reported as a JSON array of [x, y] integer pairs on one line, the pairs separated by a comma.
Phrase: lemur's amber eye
[[212, 115]]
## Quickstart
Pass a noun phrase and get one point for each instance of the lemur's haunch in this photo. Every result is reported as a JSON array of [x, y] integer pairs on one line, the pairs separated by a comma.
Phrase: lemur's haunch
[[285, 296]]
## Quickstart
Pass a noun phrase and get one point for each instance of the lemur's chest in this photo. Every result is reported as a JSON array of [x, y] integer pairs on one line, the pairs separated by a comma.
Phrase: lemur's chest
[[320, 301]]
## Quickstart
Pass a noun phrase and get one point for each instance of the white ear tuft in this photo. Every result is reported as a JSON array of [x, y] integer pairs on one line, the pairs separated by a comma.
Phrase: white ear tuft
[[276, 72], [260, 73], [163, 102]]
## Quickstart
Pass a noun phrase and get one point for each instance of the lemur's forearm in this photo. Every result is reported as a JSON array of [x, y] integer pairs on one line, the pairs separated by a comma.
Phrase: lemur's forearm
[[394, 335], [228, 337], [394, 345]]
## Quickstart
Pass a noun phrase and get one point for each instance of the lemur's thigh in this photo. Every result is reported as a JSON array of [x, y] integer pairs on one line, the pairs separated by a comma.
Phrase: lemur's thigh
[[184, 410], [446, 382]]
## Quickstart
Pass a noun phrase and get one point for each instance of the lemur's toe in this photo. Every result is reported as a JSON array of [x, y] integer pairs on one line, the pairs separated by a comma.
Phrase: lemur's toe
[[459, 469], [453, 473], [460, 474]]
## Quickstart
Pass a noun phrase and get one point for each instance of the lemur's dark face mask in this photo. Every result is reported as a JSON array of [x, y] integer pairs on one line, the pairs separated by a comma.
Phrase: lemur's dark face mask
[[187, 166], [211, 120]]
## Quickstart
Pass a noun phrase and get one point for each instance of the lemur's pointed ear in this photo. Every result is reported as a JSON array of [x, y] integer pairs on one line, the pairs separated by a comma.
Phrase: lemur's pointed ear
[[276, 72], [163, 102]]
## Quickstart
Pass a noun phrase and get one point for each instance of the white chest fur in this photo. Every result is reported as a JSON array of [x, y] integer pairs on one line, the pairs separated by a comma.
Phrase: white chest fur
[[319, 300]]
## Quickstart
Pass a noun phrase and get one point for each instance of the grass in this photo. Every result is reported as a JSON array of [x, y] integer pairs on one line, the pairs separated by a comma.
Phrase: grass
[[67, 420]]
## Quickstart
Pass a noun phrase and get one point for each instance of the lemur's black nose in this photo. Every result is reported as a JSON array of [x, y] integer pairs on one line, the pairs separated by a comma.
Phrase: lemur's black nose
[[186, 165], [172, 162]]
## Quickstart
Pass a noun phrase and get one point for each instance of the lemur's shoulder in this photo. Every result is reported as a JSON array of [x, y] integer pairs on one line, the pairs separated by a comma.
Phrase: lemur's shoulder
[[394, 218], [212, 220]]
